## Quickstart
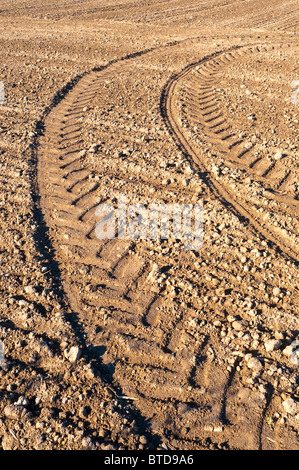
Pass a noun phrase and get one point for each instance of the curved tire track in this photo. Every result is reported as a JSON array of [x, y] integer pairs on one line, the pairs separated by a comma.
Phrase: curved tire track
[[204, 111], [109, 285], [113, 293]]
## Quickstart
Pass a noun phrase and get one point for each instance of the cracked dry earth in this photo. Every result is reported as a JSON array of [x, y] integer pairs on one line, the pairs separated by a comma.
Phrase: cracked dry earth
[[124, 344]]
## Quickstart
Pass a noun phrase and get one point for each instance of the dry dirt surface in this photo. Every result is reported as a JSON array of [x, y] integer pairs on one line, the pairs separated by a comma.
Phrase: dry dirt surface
[[139, 343]]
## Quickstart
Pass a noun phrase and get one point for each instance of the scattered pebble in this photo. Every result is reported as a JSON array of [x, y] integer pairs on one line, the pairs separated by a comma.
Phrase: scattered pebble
[[291, 406], [272, 344], [73, 354]]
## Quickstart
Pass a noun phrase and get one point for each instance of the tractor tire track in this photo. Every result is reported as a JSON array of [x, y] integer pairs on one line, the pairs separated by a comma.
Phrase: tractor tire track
[[204, 112], [115, 295], [145, 352]]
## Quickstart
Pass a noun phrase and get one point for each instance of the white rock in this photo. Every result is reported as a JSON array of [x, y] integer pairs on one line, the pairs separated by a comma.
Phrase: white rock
[[238, 325], [255, 364], [30, 290], [272, 344], [189, 170], [14, 411], [276, 291], [279, 154], [22, 401], [94, 148], [291, 406], [292, 350], [87, 443], [154, 272], [73, 354], [294, 357]]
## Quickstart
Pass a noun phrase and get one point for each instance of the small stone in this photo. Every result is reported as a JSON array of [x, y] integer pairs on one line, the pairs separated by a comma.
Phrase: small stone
[[89, 371], [238, 325], [215, 170], [279, 154], [22, 401], [154, 272], [276, 291], [73, 354], [189, 170], [294, 357], [40, 438], [272, 344], [291, 406], [94, 148], [30, 290], [8, 442], [263, 388], [14, 411], [292, 350], [87, 443], [255, 364], [143, 440]]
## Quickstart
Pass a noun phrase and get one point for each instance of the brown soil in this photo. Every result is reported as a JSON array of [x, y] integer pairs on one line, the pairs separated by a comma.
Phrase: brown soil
[[123, 344]]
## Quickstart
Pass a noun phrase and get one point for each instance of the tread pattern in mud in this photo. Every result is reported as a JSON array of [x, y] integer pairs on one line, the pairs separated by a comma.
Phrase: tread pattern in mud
[[121, 278], [205, 111], [200, 111], [146, 350]]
